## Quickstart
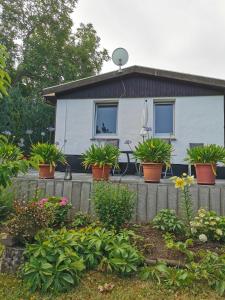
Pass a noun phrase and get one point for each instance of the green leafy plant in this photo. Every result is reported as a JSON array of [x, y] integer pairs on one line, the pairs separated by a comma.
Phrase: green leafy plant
[[180, 246], [183, 183], [56, 260], [27, 220], [208, 223], [154, 150], [4, 76], [81, 220], [52, 264], [113, 204], [6, 203], [11, 162], [45, 153], [206, 154], [167, 221], [59, 207], [101, 156]]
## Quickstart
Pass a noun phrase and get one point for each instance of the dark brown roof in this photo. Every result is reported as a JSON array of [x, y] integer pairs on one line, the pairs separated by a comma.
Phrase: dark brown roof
[[51, 92]]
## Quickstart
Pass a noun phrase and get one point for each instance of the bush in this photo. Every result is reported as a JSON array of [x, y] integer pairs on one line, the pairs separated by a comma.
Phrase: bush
[[59, 207], [113, 204], [56, 261], [52, 264], [208, 223], [167, 221], [28, 219]]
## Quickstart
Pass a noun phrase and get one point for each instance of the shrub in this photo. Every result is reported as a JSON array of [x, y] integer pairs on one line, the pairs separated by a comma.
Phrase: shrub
[[28, 219], [167, 221], [154, 150], [52, 264], [59, 206], [45, 153], [113, 204], [208, 223], [101, 156]]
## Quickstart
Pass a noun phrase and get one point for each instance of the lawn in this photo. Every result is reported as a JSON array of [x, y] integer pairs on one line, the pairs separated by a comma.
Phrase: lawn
[[124, 288]]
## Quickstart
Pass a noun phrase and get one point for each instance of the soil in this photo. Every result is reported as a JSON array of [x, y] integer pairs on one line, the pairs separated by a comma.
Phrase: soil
[[151, 243]]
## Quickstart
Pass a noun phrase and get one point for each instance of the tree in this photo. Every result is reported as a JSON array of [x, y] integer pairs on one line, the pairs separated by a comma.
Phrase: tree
[[44, 51], [4, 77]]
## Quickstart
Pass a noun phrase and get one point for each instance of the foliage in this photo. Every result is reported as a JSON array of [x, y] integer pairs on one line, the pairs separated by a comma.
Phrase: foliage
[[27, 220], [4, 77], [209, 224], [180, 246], [101, 155], [81, 220], [113, 204], [52, 264], [59, 207], [45, 153], [183, 183], [210, 269], [166, 220], [58, 253], [44, 51], [11, 162], [206, 154], [6, 203], [154, 150]]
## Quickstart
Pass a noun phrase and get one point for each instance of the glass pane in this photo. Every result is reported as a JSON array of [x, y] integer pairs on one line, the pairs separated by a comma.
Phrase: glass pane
[[106, 118], [163, 118]]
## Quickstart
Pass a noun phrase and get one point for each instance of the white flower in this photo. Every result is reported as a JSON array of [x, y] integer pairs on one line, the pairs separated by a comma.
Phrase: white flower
[[203, 238], [193, 230], [219, 231]]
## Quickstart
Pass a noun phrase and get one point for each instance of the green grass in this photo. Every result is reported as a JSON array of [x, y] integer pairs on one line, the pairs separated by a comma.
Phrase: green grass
[[12, 288]]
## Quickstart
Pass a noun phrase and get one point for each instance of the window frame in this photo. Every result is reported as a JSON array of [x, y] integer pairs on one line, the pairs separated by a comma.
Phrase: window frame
[[104, 103], [163, 101]]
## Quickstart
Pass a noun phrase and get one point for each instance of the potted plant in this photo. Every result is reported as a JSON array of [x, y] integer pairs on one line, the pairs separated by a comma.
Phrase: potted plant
[[101, 159], [205, 159], [153, 154], [45, 156]]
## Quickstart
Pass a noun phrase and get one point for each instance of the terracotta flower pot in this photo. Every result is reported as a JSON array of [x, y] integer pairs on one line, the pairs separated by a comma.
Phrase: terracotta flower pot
[[101, 173], [205, 173], [152, 172], [45, 172]]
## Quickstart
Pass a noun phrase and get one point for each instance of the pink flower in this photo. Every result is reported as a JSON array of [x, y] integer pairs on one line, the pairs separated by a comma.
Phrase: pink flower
[[42, 202], [63, 201]]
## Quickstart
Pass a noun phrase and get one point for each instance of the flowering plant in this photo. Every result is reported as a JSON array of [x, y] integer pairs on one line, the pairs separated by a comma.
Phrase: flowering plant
[[183, 183], [208, 223], [59, 206]]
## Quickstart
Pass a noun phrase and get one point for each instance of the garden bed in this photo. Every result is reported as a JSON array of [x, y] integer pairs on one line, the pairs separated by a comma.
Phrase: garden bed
[[152, 245]]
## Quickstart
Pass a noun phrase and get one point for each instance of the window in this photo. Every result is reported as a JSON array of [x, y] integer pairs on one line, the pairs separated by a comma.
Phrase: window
[[106, 119], [164, 118]]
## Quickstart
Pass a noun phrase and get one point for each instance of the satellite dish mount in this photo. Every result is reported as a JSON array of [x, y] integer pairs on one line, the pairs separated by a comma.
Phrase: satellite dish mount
[[120, 57]]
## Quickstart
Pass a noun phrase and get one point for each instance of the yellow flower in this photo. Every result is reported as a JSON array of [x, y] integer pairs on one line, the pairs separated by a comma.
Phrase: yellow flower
[[189, 180], [173, 179], [180, 183], [184, 174], [219, 232]]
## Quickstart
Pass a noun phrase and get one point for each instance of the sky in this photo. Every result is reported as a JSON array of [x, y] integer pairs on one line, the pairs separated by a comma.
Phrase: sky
[[178, 35]]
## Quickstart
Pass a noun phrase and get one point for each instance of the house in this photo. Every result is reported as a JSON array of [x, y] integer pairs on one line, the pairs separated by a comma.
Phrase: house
[[185, 109]]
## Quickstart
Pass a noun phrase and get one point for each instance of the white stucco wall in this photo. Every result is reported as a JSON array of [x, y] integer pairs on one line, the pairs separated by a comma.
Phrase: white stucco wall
[[197, 120]]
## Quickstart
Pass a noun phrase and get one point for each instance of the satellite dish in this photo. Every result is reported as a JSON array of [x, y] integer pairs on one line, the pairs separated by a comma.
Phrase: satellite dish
[[120, 57]]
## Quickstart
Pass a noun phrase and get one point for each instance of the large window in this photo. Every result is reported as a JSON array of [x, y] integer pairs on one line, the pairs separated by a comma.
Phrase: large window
[[164, 118], [106, 119]]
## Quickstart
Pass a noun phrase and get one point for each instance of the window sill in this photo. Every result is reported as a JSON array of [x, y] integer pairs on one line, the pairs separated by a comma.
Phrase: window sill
[[171, 138], [108, 137]]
